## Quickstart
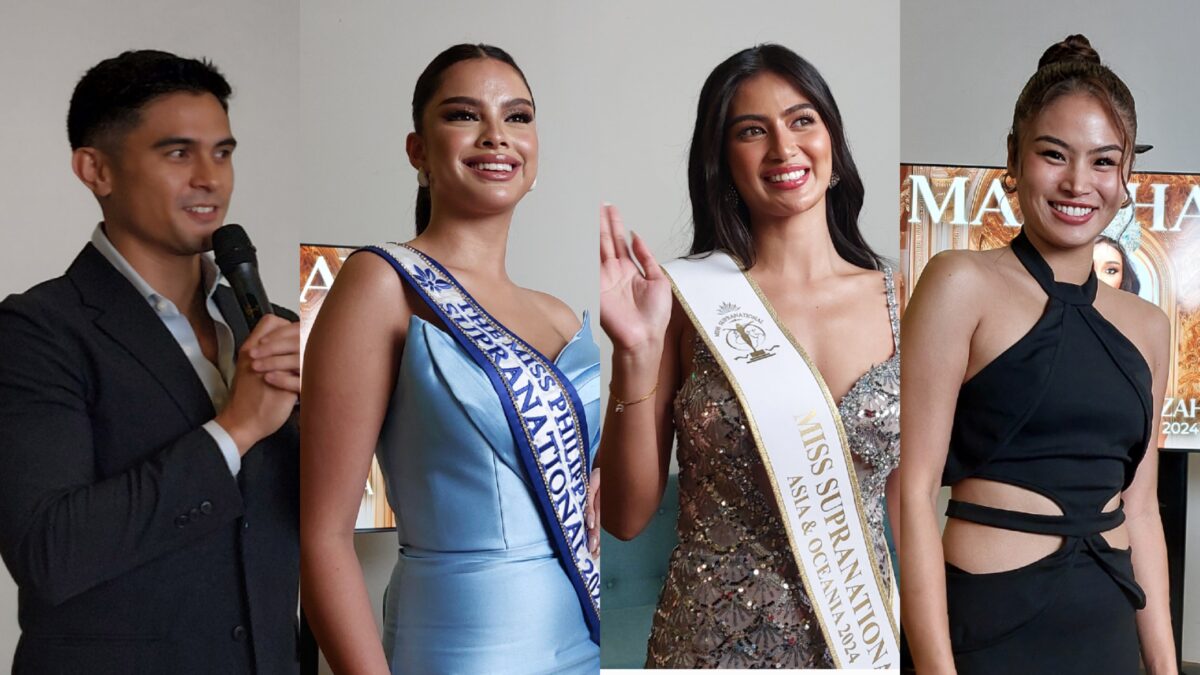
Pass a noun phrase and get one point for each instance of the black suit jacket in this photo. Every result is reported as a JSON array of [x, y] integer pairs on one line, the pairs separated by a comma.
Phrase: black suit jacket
[[133, 547]]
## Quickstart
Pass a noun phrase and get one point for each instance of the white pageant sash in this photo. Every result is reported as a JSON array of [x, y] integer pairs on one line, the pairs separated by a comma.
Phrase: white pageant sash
[[541, 406], [799, 434]]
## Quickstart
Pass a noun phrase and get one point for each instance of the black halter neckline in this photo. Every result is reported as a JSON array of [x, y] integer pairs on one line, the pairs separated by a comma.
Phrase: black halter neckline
[[1072, 294]]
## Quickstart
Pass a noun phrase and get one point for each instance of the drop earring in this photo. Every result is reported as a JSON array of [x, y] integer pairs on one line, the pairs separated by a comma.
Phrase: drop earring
[[422, 178]]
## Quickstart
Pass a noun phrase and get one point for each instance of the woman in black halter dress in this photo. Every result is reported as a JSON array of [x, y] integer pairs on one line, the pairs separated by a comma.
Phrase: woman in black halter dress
[[1038, 390]]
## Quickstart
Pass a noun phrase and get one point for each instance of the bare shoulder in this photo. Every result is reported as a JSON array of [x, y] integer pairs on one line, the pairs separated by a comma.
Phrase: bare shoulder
[[867, 280], [949, 300], [981, 262], [361, 326], [368, 282], [865, 294], [1141, 321], [558, 312], [958, 277]]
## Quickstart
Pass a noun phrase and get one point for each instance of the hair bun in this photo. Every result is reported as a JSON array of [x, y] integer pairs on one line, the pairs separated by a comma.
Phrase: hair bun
[[1073, 48]]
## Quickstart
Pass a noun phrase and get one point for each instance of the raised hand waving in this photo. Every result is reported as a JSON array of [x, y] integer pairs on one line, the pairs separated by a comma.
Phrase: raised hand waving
[[635, 304]]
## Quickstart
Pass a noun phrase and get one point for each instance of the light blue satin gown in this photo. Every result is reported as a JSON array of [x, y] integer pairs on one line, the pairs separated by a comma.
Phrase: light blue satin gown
[[477, 587]]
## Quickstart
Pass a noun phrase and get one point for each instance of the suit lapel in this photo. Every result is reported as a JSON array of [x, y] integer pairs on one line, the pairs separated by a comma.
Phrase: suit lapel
[[228, 305], [124, 315]]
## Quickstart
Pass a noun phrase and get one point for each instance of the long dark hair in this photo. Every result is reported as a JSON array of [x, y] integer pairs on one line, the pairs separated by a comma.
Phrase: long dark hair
[[427, 86], [722, 223]]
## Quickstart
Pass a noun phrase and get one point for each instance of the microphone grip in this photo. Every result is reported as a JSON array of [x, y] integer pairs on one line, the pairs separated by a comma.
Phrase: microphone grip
[[251, 296]]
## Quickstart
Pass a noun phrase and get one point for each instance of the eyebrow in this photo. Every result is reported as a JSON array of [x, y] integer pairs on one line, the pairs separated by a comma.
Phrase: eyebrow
[[762, 118], [467, 100], [1065, 145], [230, 142]]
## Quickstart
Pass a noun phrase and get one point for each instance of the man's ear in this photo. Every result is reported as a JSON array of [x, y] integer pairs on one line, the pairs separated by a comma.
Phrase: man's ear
[[92, 167]]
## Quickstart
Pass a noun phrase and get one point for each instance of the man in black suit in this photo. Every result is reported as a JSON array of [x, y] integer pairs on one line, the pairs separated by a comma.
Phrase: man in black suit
[[148, 439]]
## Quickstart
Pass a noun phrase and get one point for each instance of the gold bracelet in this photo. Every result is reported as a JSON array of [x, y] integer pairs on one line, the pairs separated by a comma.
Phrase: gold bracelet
[[621, 405]]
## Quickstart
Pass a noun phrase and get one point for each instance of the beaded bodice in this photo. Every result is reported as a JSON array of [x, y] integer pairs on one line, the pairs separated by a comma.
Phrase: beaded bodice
[[733, 596]]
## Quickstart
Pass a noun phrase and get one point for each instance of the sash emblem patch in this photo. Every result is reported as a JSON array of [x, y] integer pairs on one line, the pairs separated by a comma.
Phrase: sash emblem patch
[[744, 332]]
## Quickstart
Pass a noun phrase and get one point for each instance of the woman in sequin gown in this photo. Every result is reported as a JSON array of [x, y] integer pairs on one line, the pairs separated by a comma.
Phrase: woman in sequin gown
[[773, 184]]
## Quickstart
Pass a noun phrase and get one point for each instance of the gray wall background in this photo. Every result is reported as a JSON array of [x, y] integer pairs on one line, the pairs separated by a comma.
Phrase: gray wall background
[[964, 64], [616, 88], [48, 215]]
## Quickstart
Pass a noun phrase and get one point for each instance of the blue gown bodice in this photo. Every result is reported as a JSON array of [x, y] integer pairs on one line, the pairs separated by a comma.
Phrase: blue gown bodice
[[477, 586]]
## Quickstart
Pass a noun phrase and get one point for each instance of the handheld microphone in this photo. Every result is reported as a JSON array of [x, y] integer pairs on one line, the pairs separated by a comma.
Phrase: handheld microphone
[[238, 262]]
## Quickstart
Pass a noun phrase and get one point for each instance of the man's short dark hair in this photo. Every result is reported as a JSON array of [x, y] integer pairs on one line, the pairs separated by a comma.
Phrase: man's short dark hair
[[110, 96]]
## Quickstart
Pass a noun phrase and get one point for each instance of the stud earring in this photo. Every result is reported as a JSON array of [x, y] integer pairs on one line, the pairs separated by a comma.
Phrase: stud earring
[[834, 179], [1008, 183]]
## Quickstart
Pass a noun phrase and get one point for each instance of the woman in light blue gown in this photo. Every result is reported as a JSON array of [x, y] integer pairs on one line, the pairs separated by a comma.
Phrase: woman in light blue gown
[[480, 400]]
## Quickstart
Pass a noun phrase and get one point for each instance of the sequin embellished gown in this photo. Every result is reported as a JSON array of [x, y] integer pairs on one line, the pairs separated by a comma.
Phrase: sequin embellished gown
[[733, 597]]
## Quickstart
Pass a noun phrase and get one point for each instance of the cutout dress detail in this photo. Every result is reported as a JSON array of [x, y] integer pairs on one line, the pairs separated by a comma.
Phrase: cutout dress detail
[[1064, 412]]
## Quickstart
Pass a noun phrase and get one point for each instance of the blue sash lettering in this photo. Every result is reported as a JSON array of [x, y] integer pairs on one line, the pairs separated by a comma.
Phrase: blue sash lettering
[[533, 392], [528, 400]]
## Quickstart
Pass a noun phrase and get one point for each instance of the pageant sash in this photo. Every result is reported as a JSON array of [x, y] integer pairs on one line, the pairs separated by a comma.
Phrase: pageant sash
[[542, 408], [799, 435]]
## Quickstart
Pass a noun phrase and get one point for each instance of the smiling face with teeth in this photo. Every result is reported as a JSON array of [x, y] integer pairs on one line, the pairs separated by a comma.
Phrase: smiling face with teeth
[[478, 143], [165, 185], [1070, 172], [778, 149]]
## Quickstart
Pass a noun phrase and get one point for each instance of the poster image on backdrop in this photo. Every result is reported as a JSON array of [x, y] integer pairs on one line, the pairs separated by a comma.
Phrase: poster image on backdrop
[[319, 265], [964, 207]]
